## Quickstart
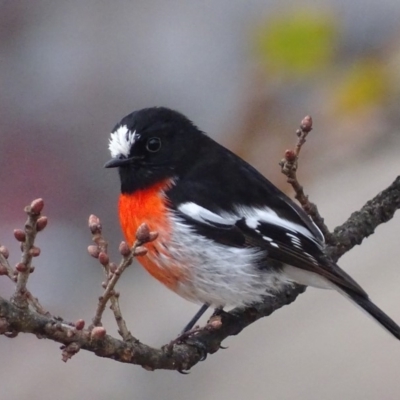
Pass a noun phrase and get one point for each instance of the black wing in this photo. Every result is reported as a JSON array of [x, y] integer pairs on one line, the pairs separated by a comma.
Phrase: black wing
[[280, 245], [227, 200]]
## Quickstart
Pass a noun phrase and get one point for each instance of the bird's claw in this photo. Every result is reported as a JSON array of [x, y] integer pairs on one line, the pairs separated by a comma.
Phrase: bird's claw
[[189, 338], [183, 372]]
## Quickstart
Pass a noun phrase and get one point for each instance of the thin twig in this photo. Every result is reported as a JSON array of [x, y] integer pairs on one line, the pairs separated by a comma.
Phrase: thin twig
[[5, 267], [28, 251], [35, 304], [289, 166], [101, 244], [109, 290], [122, 327], [113, 273]]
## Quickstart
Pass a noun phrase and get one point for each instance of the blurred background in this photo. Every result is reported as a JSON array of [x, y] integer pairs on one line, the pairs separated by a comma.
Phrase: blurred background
[[246, 72]]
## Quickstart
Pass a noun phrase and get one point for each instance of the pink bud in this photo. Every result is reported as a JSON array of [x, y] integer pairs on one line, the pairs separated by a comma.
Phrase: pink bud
[[98, 332], [103, 258], [216, 323], [153, 236], [93, 251], [124, 249], [290, 155], [140, 251], [41, 223], [94, 224], [34, 251], [37, 206], [3, 270], [142, 234], [19, 234], [306, 124], [21, 267], [80, 324], [4, 251], [113, 267]]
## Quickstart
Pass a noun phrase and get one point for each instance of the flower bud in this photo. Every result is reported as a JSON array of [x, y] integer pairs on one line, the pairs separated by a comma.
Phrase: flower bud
[[21, 267], [79, 325], [4, 251], [34, 251], [290, 155], [142, 234], [124, 249], [20, 235], [93, 251], [98, 332], [41, 223], [306, 124], [94, 224], [103, 258], [140, 251], [37, 206]]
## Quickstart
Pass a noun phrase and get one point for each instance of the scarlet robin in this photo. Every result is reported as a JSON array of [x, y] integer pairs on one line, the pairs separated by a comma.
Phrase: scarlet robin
[[227, 236]]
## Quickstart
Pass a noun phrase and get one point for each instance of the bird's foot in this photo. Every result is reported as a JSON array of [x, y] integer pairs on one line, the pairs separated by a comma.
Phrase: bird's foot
[[183, 337]]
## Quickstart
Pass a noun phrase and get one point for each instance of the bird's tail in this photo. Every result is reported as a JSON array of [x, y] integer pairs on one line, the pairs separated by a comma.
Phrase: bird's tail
[[331, 276], [374, 311]]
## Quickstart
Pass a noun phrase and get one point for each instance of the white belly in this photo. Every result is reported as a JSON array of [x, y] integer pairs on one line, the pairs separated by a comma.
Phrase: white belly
[[216, 274]]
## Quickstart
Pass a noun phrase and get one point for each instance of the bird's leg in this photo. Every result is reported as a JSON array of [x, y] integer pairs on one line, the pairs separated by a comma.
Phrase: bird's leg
[[188, 335], [195, 318], [188, 331]]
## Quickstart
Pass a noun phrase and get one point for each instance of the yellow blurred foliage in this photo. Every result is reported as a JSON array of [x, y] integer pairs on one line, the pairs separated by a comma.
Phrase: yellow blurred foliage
[[364, 84], [296, 44]]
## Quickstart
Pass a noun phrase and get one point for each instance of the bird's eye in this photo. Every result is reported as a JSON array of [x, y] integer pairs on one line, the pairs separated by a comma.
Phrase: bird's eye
[[153, 144]]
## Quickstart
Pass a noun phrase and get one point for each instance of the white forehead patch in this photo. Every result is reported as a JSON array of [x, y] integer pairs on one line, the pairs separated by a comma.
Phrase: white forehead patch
[[121, 141]]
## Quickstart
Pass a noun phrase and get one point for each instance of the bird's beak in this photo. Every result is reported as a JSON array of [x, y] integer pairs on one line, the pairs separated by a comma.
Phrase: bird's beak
[[120, 162]]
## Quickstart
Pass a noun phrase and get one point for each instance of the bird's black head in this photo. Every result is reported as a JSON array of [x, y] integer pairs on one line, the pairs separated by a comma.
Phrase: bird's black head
[[151, 145]]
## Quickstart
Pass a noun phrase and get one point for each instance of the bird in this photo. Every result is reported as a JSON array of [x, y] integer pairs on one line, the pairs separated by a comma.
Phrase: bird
[[227, 236]]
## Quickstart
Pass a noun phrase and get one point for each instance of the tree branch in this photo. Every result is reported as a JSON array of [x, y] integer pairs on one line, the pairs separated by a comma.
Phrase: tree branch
[[363, 223], [181, 357], [28, 316]]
